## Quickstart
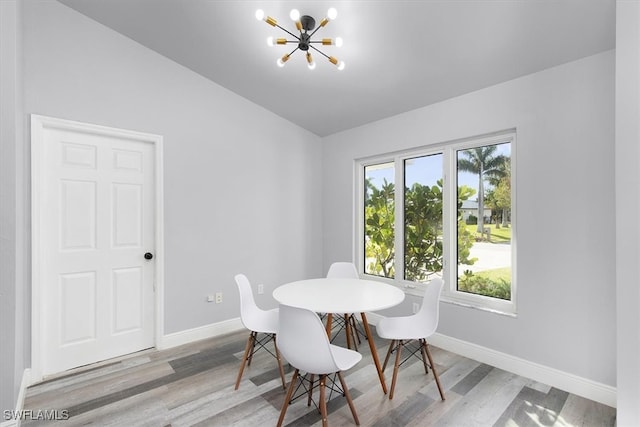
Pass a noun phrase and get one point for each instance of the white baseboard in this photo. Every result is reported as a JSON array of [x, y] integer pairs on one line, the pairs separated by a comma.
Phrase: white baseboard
[[24, 383], [202, 332], [571, 383]]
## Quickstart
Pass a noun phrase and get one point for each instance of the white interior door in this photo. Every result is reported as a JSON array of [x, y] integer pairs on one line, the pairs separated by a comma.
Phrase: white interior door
[[97, 223]]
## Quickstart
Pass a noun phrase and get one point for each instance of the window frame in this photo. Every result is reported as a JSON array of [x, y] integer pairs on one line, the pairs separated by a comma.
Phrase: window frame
[[449, 151]]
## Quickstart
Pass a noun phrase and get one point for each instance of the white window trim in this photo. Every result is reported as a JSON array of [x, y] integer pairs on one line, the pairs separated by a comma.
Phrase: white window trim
[[449, 294]]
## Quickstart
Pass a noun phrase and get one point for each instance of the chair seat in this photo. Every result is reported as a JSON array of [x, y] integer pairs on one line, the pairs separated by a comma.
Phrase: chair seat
[[345, 358], [263, 321], [400, 328]]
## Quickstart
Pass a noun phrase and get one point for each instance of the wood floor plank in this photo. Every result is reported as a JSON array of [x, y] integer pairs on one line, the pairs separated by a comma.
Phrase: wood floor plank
[[84, 391], [215, 403], [486, 401], [255, 412], [578, 411]]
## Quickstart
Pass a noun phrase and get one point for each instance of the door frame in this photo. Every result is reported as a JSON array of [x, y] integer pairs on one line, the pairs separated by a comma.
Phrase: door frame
[[39, 124]]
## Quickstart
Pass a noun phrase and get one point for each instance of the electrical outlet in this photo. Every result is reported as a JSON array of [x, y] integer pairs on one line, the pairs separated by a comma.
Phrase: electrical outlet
[[218, 297], [211, 298], [416, 307], [261, 288]]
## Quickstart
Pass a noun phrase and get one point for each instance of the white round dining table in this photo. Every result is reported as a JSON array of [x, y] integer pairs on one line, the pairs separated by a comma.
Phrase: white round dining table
[[339, 296]]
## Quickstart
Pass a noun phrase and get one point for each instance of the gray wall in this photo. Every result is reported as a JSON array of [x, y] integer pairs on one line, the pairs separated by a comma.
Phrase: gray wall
[[242, 185], [564, 118], [628, 209], [14, 292]]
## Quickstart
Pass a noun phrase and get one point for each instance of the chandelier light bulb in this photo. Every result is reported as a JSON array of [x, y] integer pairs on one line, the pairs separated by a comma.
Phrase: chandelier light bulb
[[259, 14], [282, 60], [310, 63], [341, 66], [339, 41], [294, 15], [270, 41], [332, 13]]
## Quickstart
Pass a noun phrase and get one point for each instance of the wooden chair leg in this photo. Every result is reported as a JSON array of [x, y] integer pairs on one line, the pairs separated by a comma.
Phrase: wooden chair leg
[[347, 395], [354, 322], [423, 352], [433, 369], [310, 390], [347, 330], [323, 402], [244, 358], [350, 323], [253, 347], [386, 359], [395, 368], [329, 323], [279, 359], [287, 398]]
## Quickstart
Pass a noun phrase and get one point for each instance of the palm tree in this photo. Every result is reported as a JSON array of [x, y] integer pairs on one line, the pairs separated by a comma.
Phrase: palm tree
[[483, 162]]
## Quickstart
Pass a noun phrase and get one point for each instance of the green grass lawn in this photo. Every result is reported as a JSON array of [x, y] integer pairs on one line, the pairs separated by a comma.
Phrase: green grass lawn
[[496, 274], [498, 235], [494, 283]]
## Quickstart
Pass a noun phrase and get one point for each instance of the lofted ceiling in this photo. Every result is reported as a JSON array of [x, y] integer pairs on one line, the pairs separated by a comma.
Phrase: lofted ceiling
[[399, 54]]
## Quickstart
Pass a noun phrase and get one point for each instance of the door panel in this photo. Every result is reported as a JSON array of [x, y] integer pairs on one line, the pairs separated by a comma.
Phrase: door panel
[[127, 215], [77, 307], [128, 307], [77, 215], [98, 220]]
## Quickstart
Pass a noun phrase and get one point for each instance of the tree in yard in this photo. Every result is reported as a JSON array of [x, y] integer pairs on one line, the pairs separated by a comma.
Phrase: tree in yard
[[423, 231], [379, 222], [483, 162], [501, 194], [423, 253]]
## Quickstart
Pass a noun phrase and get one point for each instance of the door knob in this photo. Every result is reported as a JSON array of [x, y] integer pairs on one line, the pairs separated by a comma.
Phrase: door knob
[[148, 255]]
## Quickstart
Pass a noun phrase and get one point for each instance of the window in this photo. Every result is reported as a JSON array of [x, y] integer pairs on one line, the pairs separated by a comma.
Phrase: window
[[455, 220]]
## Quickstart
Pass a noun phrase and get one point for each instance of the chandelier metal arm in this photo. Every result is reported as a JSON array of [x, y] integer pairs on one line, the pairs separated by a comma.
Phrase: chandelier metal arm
[[315, 31], [319, 51], [288, 32]]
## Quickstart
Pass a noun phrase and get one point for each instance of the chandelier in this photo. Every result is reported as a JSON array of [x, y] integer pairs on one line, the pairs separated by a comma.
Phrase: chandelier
[[305, 24]]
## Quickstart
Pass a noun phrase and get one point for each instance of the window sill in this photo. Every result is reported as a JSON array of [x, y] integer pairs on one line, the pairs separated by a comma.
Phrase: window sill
[[473, 306]]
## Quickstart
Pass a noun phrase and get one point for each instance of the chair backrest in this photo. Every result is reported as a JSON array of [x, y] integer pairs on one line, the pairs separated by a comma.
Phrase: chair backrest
[[302, 340], [250, 313], [342, 270], [429, 312]]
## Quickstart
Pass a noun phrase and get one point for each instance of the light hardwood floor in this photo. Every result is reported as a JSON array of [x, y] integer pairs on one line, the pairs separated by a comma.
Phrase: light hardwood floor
[[193, 385]]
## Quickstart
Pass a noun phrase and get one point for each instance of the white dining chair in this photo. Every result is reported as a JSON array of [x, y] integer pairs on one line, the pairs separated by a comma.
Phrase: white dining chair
[[348, 322], [257, 321], [409, 329], [304, 343]]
